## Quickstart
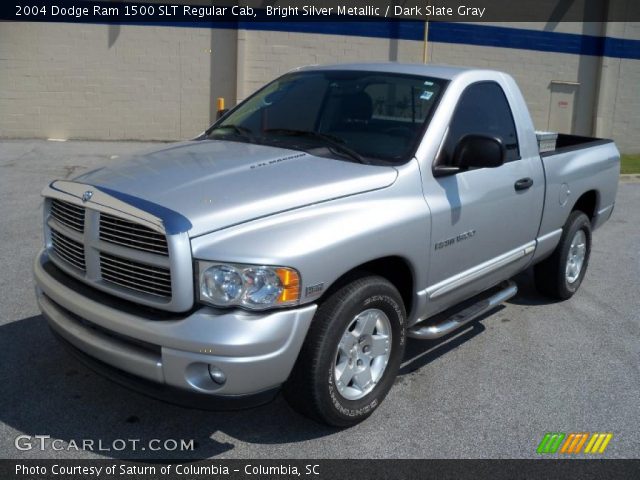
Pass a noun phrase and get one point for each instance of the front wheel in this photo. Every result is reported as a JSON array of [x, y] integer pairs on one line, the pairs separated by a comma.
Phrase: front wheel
[[560, 275], [351, 355]]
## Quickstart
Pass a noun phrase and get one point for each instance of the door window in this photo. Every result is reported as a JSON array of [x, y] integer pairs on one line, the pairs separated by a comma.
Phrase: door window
[[482, 109]]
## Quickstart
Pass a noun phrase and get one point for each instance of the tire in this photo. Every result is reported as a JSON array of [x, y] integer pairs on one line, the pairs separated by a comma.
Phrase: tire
[[554, 277], [328, 382]]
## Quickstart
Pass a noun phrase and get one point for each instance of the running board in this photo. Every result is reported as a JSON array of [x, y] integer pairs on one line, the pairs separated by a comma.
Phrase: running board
[[457, 320]]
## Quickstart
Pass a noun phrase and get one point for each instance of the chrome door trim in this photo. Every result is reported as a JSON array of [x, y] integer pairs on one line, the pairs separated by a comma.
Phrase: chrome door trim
[[478, 271]]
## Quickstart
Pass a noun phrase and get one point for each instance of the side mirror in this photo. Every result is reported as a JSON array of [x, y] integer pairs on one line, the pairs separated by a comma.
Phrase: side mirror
[[474, 151], [479, 151]]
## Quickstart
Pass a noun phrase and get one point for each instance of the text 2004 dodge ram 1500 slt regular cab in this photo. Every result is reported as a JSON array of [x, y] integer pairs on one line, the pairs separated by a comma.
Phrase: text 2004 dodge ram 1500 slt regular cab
[[298, 241]]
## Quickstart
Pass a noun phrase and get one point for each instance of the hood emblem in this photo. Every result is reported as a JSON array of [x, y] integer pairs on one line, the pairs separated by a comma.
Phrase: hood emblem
[[86, 196]]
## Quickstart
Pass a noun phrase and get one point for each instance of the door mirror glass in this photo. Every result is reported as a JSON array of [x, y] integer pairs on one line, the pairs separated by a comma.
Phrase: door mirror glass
[[479, 151]]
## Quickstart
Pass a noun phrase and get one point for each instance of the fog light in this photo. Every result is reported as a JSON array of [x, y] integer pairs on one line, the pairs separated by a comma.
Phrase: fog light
[[217, 375]]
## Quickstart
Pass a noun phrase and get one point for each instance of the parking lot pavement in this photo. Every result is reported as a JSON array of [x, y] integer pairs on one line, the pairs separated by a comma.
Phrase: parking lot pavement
[[492, 390]]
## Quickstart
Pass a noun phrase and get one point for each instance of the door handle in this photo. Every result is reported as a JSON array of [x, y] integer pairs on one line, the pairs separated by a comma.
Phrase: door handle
[[523, 184]]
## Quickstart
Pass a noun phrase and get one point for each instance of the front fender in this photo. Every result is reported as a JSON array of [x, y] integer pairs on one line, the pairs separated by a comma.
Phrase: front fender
[[326, 240]]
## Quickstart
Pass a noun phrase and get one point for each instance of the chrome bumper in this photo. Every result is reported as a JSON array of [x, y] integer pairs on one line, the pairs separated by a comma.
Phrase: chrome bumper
[[256, 352]]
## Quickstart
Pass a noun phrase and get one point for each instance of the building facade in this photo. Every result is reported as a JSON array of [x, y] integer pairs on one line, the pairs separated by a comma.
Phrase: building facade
[[147, 82]]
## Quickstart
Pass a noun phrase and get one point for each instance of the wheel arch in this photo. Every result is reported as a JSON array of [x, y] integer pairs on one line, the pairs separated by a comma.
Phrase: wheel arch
[[588, 204], [395, 269]]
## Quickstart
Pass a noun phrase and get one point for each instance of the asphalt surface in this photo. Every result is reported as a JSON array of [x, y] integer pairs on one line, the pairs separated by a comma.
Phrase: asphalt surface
[[491, 391]]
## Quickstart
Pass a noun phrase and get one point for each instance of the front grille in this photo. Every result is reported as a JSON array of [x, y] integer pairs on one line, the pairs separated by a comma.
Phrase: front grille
[[68, 214], [135, 275], [116, 254], [132, 235], [68, 250]]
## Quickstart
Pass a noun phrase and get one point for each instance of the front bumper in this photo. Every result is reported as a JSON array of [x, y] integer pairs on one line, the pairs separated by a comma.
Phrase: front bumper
[[256, 352]]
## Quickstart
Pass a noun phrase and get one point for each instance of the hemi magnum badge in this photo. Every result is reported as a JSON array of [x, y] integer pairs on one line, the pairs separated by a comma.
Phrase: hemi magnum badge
[[313, 289]]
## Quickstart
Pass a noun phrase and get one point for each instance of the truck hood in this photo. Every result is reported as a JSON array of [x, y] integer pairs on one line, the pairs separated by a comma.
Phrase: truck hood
[[216, 184]]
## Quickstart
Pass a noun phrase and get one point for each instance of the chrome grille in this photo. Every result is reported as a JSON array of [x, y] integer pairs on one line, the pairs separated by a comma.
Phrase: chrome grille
[[68, 250], [135, 275], [132, 235], [68, 214], [125, 253]]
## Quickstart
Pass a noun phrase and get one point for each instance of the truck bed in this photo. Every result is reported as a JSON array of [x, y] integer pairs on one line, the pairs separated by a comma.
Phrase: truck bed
[[568, 143], [577, 166]]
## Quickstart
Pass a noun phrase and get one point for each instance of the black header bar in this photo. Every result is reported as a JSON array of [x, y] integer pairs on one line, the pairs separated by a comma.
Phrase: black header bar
[[549, 12], [319, 469]]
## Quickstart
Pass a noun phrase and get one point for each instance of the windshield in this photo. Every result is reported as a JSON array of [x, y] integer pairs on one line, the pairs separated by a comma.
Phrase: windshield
[[371, 117]]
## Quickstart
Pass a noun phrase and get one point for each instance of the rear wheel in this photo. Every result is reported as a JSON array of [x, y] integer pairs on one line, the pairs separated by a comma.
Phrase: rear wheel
[[560, 275], [352, 353]]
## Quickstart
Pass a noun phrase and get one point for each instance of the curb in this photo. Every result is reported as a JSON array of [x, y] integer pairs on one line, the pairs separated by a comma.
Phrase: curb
[[630, 178]]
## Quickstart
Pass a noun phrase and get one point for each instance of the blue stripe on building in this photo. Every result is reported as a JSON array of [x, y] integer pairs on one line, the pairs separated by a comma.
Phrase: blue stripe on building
[[401, 30], [440, 32], [467, 34], [542, 41]]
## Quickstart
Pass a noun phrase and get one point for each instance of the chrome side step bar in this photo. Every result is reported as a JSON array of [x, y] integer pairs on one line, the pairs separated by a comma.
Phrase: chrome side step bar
[[466, 315]]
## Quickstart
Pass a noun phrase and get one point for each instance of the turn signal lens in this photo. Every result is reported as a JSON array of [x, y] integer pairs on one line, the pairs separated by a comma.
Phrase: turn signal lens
[[290, 285]]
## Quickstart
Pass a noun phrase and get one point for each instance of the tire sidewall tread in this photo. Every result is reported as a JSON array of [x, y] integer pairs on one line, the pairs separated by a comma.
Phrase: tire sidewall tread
[[550, 274], [311, 388]]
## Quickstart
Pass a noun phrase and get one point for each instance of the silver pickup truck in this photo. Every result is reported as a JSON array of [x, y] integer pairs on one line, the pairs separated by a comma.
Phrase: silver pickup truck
[[301, 239]]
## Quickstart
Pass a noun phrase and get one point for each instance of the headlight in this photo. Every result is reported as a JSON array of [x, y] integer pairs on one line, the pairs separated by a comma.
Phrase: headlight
[[221, 283], [251, 286]]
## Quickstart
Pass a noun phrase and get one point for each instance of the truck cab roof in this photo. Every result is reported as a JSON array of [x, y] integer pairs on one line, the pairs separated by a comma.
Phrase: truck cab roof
[[445, 72]]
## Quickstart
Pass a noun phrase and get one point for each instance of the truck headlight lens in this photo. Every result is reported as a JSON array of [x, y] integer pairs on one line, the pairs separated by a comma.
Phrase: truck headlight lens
[[263, 286], [251, 286], [222, 284]]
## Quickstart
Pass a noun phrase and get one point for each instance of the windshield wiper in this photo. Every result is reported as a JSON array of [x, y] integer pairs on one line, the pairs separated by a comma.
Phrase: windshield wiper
[[333, 143], [239, 129]]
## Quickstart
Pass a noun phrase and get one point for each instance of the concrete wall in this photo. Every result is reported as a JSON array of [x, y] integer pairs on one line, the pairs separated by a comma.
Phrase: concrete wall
[[111, 82], [619, 108], [534, 72], [268, 54], [626, 114], [143, 82]]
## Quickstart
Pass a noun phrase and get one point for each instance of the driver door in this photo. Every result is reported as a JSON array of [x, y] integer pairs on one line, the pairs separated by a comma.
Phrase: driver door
[[483, 225]]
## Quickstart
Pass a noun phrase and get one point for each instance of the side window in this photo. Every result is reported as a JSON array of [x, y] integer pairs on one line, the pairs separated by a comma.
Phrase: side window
[[482, 109]]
